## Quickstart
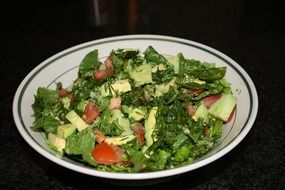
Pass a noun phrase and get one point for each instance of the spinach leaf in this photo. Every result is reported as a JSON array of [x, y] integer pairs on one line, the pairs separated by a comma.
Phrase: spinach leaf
[[46, 107], [81, 143], [44, 97], [122, 57], [88, 64], [118, 63], [152, 56], [82, 88], [50, 124], [126, 53], [202, 71]]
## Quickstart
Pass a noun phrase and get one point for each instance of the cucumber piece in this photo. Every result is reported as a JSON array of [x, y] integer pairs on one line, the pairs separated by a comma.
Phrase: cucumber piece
[[223, 107]]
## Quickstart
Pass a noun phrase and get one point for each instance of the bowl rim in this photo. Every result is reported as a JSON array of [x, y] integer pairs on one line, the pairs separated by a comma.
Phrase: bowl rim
[[146, 175]]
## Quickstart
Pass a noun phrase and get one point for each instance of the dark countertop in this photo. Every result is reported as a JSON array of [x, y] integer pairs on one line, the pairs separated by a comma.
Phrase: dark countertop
[[250, 32]]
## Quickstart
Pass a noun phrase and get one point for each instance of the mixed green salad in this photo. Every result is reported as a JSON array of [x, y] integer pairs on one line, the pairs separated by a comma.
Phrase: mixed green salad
[[136, 111]]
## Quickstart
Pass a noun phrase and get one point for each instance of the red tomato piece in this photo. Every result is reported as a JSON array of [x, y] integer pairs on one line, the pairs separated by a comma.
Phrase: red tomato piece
[[139, 130], [70, 96], [100, 74], [194, 91], [210, 100], [109, 65], [190, 109], [106, 154], [62, 93], [91, 112], [115, 103], [119, 153]]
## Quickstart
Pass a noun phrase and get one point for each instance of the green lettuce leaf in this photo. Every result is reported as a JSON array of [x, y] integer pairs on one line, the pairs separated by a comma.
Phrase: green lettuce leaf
[[88, 64], [81, 143], [202, 71], [152, 56]]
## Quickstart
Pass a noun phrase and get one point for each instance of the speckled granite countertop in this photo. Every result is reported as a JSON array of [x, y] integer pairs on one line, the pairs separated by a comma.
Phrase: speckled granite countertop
[[250, 33]]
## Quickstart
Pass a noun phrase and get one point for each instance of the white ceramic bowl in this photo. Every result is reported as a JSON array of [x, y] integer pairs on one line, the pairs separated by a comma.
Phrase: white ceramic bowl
[[63, 67]]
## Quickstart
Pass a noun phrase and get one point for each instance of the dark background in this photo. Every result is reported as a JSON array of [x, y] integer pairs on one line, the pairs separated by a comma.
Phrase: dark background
[[250, 32]]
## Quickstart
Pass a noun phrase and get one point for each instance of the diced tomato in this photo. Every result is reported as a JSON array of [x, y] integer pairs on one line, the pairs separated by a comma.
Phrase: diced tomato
[[109, 65], [206, 131], [100, 74], [106, 154], [62, 93], [115, 103], [100, 137], [70, 96], [231, 115], [194, 91], [138, 129], [119, 153], [190, 109], [91, 112], [210, 100]]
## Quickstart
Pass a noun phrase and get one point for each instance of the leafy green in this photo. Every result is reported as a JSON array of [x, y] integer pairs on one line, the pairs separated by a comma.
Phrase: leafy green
[[82, 88], [108, 118], [44, 97], [152, 56], [81, 143], [158, 160], [50, 124], [203, 71], [88, 64], [123, 58], [47, 106], [138, 159], [180, 140], [182, 153]]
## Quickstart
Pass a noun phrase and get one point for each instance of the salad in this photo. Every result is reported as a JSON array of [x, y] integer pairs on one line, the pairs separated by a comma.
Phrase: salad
[[136, 111]]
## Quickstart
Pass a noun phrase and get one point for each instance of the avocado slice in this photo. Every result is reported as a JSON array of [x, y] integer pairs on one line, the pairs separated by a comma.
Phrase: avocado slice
[[150, 126], [142, 74], [136, 114], [174, 60], [55, 142], [76, 120], [121, 86], [159, 67], [201, 112], [65, 130], [161, 89], [119, 140]]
